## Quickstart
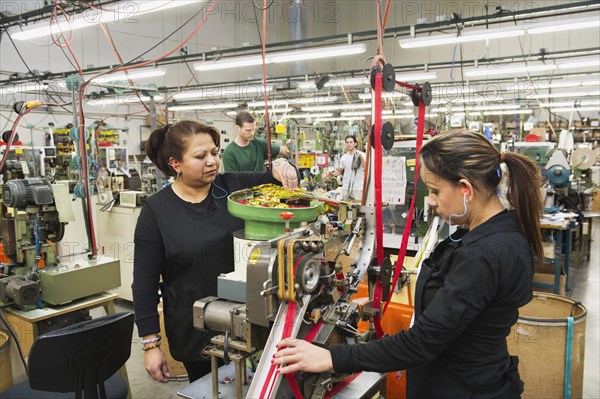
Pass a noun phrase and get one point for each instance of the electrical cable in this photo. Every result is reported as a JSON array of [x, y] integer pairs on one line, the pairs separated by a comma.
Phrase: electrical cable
[[142, 64], [15, 339], [114, 47], [31, 72], [263, 41], [209, 11], [531, 81]]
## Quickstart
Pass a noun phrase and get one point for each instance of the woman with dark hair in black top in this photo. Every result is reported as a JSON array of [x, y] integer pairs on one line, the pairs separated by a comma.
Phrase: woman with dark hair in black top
[[184, 237], [468, 291]]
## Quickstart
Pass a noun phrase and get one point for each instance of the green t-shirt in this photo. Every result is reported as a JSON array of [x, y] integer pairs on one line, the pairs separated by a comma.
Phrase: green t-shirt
[[247, 159]]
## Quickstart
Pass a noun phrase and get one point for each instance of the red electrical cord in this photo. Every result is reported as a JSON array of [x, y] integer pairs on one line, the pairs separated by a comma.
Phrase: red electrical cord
[[265, 94]]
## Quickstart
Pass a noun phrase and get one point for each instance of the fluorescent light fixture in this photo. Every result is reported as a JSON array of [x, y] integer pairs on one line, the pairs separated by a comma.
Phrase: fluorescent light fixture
[[335, 107], [318, 52], [556, 84], [227, 91], [205, 107], [132, 99], [282, 56], [493, 107], [273, 103], [335, 83], [233, 62], [119, 12], [407, 116], [311, 116], [566, 94], [499, 33], [509, 69], [412, 77], [364, 81], [349, 119], [575, 109], [314, 100], [509, 112], [466, 36], [384, 113], [393, 94], [560, 26], [480, 108], [569, 104], [583, 62], [21, 87], [310, 100], [134, 74], [274, 110]]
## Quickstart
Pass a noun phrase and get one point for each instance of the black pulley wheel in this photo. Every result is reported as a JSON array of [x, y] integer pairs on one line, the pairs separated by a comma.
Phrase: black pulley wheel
[[374, 71], [426, 93], [385, 276], [6, 137], [389, 78], [387, 136], [415, 96], [18, 107], [372, 138]]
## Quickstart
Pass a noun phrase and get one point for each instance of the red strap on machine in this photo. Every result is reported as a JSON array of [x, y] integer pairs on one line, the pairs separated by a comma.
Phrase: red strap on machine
[[377, 292], [377, 115], [406, 232], [312, 333]]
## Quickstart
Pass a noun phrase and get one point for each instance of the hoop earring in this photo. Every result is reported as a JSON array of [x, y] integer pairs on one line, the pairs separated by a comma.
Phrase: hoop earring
[[178, 176]]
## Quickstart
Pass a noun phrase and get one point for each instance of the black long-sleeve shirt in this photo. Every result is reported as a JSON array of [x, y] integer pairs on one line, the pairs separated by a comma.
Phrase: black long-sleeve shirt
[[189, 246], [463, 312]]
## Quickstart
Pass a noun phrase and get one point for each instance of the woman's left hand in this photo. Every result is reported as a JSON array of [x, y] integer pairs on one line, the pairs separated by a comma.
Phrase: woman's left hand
[[285, 173], [300, 355]]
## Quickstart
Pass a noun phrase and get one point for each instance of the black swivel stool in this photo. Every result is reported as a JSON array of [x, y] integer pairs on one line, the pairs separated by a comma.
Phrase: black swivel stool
[[79, 361]]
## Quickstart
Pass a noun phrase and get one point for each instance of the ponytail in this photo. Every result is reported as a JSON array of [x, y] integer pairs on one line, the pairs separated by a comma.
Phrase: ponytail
[[155, 149], [525, 197]]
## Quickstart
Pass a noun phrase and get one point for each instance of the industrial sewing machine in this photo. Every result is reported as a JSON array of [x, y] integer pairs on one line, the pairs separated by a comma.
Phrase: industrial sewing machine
[[33, 220], [288, 281]]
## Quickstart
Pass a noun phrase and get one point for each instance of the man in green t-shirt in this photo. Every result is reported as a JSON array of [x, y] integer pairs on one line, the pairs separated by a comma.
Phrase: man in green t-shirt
[[248, 153]]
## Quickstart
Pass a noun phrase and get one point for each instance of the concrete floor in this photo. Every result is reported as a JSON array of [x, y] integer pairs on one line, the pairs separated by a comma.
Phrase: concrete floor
[[585, 283]]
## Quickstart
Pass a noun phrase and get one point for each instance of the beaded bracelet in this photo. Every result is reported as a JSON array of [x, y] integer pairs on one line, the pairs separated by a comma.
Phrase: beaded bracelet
[[147, 348], [150, 340]]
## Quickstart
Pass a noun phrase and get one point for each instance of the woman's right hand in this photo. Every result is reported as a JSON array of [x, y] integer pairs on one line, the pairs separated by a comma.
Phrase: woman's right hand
[[155, 362]]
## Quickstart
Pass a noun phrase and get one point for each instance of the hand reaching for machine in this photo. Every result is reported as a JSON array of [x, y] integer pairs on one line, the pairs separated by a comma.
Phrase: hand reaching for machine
[[300, 355], [285, 173]]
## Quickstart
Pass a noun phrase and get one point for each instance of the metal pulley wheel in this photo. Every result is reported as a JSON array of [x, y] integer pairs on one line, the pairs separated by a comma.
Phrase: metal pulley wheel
[[308, 273], [385, 276], [374, 71], [424, 94], [389, 78], [387, 136]]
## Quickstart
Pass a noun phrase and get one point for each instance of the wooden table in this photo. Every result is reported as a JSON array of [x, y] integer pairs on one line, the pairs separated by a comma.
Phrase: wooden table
[[559, 228]]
